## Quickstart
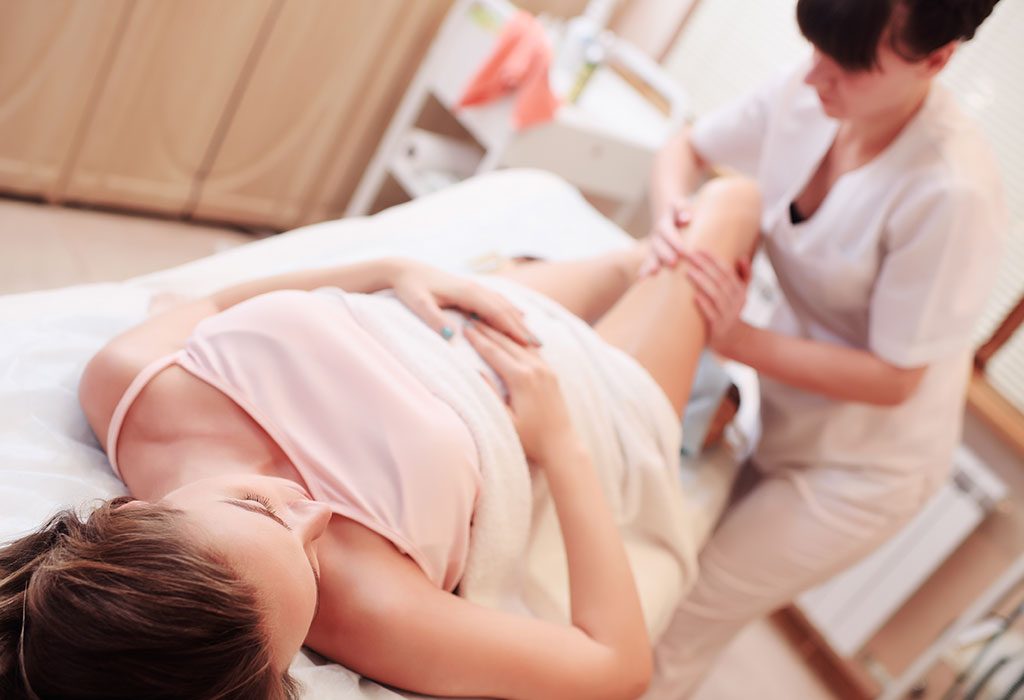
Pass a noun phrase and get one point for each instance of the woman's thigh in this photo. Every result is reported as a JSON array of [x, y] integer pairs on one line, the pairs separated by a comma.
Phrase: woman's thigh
[[656, 320], [586, 287]]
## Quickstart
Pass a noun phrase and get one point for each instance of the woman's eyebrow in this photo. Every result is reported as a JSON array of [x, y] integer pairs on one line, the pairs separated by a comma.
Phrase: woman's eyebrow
[[256, 508]]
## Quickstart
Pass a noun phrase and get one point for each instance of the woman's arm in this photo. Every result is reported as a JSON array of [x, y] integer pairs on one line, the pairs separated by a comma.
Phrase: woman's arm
[[111, 370], [425, 290], [835, 371], [364, 278], [604, 602], [383, 618]]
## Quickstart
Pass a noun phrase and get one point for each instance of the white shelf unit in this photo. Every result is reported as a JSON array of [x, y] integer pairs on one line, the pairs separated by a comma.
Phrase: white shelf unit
[[604, 143]]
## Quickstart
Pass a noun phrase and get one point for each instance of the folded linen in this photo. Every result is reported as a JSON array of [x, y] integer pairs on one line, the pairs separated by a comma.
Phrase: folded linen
[[519, 63]]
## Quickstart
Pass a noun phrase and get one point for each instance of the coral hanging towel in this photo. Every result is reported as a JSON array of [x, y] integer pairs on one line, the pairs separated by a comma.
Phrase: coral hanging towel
[[519, 64]]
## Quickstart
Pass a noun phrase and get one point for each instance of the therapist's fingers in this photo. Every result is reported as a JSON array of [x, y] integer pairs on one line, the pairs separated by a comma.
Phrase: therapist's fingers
[[705, 281], [708, 311], [744, 270], [664, 251], [735, 277], [727, 281], [673, 235], [682, 213], [714, 268]]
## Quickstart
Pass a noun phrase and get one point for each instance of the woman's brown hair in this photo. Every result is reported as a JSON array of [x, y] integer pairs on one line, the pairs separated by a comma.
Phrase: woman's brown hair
[[129, 604]]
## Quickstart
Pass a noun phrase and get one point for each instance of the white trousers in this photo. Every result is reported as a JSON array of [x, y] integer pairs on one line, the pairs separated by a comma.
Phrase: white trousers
[[793, 530]]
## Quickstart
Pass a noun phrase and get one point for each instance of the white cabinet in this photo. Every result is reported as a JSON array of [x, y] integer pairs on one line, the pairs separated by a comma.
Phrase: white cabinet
[[604, 142]]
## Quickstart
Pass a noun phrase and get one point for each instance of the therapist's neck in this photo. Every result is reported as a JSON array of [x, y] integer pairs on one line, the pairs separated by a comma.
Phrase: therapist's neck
[[876, 131]]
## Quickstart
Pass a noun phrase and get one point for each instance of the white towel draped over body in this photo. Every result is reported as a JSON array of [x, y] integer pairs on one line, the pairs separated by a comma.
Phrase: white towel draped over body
[[625, 420]]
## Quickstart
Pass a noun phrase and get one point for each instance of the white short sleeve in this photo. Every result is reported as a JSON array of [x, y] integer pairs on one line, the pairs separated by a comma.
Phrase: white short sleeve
[[733, 135], [941, 254]]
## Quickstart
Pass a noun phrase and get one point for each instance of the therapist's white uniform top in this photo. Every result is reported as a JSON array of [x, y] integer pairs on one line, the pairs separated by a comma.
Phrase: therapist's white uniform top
[[898, 260]]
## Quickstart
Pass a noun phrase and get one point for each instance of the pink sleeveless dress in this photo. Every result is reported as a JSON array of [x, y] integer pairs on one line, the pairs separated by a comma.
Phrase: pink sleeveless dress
[[366, 435]]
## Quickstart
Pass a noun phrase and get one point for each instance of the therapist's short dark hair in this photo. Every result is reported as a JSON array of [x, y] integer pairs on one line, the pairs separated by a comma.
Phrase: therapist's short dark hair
[[849, 31]]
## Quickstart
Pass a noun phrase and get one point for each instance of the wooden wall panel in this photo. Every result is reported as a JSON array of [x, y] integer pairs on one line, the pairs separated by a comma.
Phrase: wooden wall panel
[[325, 86], [177, 67], [262, 112], [52, 58]]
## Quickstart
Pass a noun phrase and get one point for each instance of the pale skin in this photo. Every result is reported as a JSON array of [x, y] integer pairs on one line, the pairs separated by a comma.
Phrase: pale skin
[[872, 107], [348, 593]]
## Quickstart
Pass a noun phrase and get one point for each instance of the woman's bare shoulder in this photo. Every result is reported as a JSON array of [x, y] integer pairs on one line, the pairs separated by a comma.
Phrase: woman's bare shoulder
[[111, 370]]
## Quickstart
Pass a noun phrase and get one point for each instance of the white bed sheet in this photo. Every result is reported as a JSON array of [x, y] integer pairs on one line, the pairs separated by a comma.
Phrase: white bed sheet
[[49, 457]]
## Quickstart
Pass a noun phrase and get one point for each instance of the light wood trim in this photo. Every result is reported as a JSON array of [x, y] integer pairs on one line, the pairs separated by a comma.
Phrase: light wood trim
[[1002, 334], [995, 410], [844, 678]]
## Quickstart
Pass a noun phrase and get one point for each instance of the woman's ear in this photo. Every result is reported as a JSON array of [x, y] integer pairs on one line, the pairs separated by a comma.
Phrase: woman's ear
[[937, 59], [133, 504]]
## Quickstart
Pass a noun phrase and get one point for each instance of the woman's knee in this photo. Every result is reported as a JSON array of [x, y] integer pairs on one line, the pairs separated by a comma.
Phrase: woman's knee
[[727, 215]]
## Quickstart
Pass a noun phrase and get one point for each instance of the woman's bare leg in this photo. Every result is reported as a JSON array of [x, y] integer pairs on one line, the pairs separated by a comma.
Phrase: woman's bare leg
[[588, 287], [656, 320]]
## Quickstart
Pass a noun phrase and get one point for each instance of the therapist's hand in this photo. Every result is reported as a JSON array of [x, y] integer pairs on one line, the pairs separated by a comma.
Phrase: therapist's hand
[[666, 238], [720, 292], [425, 290]]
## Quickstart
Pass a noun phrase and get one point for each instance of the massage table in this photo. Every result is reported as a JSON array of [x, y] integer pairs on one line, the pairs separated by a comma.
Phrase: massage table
[[50, 459]]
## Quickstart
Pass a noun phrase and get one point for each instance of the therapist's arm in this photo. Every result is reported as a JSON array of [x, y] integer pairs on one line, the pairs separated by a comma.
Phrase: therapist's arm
[[836, 371], [678, 170], [843, 373]]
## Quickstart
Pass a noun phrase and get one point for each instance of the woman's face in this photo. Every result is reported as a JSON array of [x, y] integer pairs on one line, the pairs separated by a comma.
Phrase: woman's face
[[892, 85], [267, 530]]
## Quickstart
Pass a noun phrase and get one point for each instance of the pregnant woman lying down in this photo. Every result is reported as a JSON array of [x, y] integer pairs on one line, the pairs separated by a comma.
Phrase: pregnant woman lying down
[[306, 464]]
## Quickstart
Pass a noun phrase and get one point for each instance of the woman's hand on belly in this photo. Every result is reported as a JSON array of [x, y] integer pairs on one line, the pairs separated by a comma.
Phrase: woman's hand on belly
[[425, 290], [535, 399], [605, 607]]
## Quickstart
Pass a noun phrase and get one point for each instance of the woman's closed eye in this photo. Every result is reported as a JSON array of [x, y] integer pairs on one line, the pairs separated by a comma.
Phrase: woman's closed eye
[[258, 504], [262, 500]]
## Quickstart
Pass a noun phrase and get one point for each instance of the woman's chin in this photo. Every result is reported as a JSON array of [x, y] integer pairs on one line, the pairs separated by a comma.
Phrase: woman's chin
[[830, 108]]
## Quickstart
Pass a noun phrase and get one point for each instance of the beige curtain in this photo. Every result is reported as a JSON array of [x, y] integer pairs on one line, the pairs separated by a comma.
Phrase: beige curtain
[[258, 112]]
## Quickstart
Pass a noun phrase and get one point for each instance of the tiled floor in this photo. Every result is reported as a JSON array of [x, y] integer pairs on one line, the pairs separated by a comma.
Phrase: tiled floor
[[43, 246]]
